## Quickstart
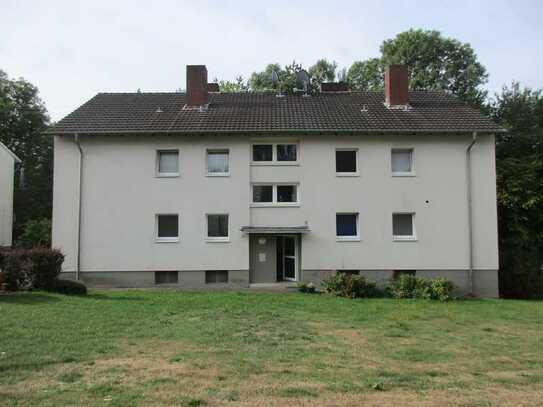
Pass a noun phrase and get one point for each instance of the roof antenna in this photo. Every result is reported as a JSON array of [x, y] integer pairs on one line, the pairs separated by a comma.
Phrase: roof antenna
[[275, 83], [303, 77]]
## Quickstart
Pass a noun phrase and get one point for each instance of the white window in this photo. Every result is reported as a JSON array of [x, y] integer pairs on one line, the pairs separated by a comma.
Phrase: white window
[[275, 153], [167, 228], [346, 162], [402, 161], [276, 194], [218, 162], [347, 227], [217, 228], [403, 226], [167, 163]]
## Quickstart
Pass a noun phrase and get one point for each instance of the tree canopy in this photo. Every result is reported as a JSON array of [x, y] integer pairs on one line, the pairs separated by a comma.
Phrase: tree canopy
[[23, 119]]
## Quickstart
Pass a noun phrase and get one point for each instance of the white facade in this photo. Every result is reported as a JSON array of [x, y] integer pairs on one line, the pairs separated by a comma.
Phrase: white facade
[[122, 194], [7, 172]]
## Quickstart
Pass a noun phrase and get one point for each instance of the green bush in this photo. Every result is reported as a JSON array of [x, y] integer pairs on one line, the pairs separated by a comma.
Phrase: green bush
[[308, 288], [31, 268], [36, 233], [350, 286], [67, 287], [408, 286]]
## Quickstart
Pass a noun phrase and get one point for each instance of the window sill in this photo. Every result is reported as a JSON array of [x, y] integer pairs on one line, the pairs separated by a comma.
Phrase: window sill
[[275, 163], [347, 174], [218, 240], [218, 174], [168, 175], [275, 205], [404, 239], [347, 239], [404, 174], [166, 240]]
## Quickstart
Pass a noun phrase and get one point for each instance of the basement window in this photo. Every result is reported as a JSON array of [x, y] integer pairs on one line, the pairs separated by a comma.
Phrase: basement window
[[346, 162], [166, 277], [403, 226], [349, 272], [398, 273], [167, 228], [216, 276]]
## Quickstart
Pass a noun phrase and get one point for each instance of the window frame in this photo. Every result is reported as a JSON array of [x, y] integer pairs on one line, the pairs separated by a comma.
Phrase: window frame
[[411, 173], [274, 160], [357, 163], [169, 239], [217, 239], [159, 174], [405, 238], [217, 150], [354, 238], [274, 202]]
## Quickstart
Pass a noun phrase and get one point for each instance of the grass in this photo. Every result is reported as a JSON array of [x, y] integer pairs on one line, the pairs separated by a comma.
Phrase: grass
[[164, 347]]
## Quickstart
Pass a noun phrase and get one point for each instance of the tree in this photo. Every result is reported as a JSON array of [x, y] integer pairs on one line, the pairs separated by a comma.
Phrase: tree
[[519, 166], [434, 61], [322, 71], [238, 85], [23, 119], [366, 75], [261, 81]]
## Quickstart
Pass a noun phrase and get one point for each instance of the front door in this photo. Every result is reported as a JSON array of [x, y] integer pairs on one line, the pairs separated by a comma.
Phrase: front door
[[289, 260]]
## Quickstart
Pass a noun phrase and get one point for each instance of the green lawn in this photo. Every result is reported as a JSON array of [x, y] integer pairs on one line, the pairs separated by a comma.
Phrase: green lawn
[[138, 347]]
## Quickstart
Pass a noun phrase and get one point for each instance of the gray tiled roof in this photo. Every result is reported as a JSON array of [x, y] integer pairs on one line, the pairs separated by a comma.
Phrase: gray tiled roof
[[352, 112]]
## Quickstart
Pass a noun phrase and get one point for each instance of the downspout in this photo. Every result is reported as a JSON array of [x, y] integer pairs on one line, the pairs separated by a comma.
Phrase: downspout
[[470, 211], [79, 204]]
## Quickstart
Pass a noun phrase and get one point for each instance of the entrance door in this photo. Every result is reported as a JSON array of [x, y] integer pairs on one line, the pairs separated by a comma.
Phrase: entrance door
[[290, 263]]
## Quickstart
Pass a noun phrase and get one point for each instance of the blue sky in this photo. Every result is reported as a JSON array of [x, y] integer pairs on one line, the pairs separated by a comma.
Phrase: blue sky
[[72, 50]]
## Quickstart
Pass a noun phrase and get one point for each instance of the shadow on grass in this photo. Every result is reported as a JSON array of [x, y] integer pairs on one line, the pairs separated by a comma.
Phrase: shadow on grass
[[27, 298]]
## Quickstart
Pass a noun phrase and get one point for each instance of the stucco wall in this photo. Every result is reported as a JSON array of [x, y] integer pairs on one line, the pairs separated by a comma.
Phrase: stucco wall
[[121, 196], [7, 168]]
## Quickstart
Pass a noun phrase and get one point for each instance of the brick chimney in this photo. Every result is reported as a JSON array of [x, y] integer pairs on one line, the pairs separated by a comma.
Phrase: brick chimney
[[396, 86], [197, 90]]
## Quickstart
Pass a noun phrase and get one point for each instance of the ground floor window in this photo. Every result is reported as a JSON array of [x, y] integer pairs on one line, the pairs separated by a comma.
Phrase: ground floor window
[[217, 227], [167, 227], [166, 277], [216, 276], [347, 226], [403, 226]]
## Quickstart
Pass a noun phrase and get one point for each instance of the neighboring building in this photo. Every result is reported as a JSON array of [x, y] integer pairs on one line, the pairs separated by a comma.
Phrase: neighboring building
[[7, 174], [208, 188]]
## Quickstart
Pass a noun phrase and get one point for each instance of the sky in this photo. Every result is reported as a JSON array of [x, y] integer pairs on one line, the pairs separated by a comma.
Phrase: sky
[[73, 49]]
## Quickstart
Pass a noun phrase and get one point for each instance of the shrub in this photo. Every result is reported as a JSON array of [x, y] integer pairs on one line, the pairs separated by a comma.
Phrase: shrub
[[408, 286], [350, 286], [32, 268], [308, 288], [36, 233], [67, 287]]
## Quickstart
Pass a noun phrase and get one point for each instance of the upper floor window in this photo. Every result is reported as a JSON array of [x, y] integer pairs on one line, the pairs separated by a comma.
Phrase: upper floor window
[[275, 153], [275, 194], [167, 228], [402, 161], [347, 161], [218, 162], [167, 163], [403, 226]]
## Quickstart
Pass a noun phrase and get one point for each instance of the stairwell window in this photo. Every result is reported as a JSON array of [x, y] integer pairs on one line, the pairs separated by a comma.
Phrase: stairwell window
[[217, 228], [347, 227], [402, 162], [263, 152], [218, 163], [167, 228], [286, 152], [274, 154], [403, 226], [276, 195], [167, 163]]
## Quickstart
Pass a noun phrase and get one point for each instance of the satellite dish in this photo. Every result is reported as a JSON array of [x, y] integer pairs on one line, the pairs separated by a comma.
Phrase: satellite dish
[[303, 77], [274, 78]]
